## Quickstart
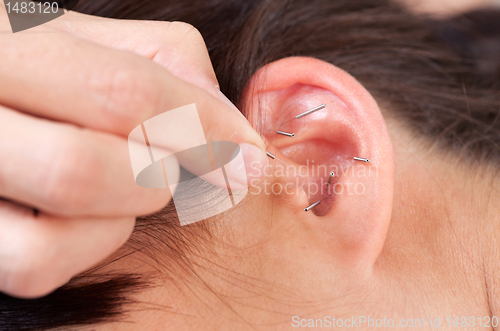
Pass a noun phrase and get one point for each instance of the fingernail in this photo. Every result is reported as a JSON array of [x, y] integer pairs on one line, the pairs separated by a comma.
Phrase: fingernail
[[229, 103], [249, 168]]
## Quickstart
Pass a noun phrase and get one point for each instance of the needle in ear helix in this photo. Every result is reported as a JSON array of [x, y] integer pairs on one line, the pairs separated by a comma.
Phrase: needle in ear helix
[[361, 159], [311, 111], [291, 135]]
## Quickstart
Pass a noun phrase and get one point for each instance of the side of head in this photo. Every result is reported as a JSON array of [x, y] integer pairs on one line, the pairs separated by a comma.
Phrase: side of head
[[389, 84]]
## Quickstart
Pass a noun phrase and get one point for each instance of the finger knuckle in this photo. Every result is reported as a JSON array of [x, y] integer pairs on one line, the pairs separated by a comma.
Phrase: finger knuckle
[[188, 34], [29, 270], [67, 181], [130, 92]]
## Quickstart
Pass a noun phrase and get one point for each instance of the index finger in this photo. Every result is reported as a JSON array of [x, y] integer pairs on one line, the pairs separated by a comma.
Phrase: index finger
[[69, 79], [176, 46], [110, 90]]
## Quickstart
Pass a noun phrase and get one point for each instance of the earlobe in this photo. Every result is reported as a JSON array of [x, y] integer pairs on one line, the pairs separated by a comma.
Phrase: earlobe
[[354, 214]]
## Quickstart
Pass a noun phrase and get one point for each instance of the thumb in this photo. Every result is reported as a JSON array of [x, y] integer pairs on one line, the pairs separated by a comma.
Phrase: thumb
[[198, 125]]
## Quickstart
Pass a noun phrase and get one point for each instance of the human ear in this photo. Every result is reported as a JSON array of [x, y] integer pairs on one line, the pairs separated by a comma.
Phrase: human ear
[[351, 222]]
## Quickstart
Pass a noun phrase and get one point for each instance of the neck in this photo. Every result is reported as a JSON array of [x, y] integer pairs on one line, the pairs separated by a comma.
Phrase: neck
[[445, 215], [442, 231]]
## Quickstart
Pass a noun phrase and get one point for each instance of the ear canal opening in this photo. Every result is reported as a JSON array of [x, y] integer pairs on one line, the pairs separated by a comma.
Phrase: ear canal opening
[[317, 158]]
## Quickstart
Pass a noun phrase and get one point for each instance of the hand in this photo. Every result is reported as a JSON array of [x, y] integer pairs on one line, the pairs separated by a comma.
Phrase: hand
[[68, 100]]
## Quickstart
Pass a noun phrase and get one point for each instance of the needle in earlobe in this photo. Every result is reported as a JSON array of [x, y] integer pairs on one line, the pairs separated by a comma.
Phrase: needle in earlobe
[[311, 111], [361, 159], [291, 135], [275, 158]]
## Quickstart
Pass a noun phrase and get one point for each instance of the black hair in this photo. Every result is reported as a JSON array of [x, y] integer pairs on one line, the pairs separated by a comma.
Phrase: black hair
[[437, 91]]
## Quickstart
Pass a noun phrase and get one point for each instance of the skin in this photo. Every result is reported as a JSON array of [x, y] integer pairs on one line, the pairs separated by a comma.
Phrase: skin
[[446, 8], [65, 150], [426, 247], [420, 241]]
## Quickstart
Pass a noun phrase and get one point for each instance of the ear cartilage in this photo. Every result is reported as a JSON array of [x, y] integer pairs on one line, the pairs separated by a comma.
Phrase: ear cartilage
[[311, 111], [272, 156], [361, 159], [291, 135], [330, 179], [312, 206]]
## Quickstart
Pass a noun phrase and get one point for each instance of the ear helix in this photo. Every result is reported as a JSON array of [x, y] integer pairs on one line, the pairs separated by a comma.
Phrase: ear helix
[[292, 135]]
